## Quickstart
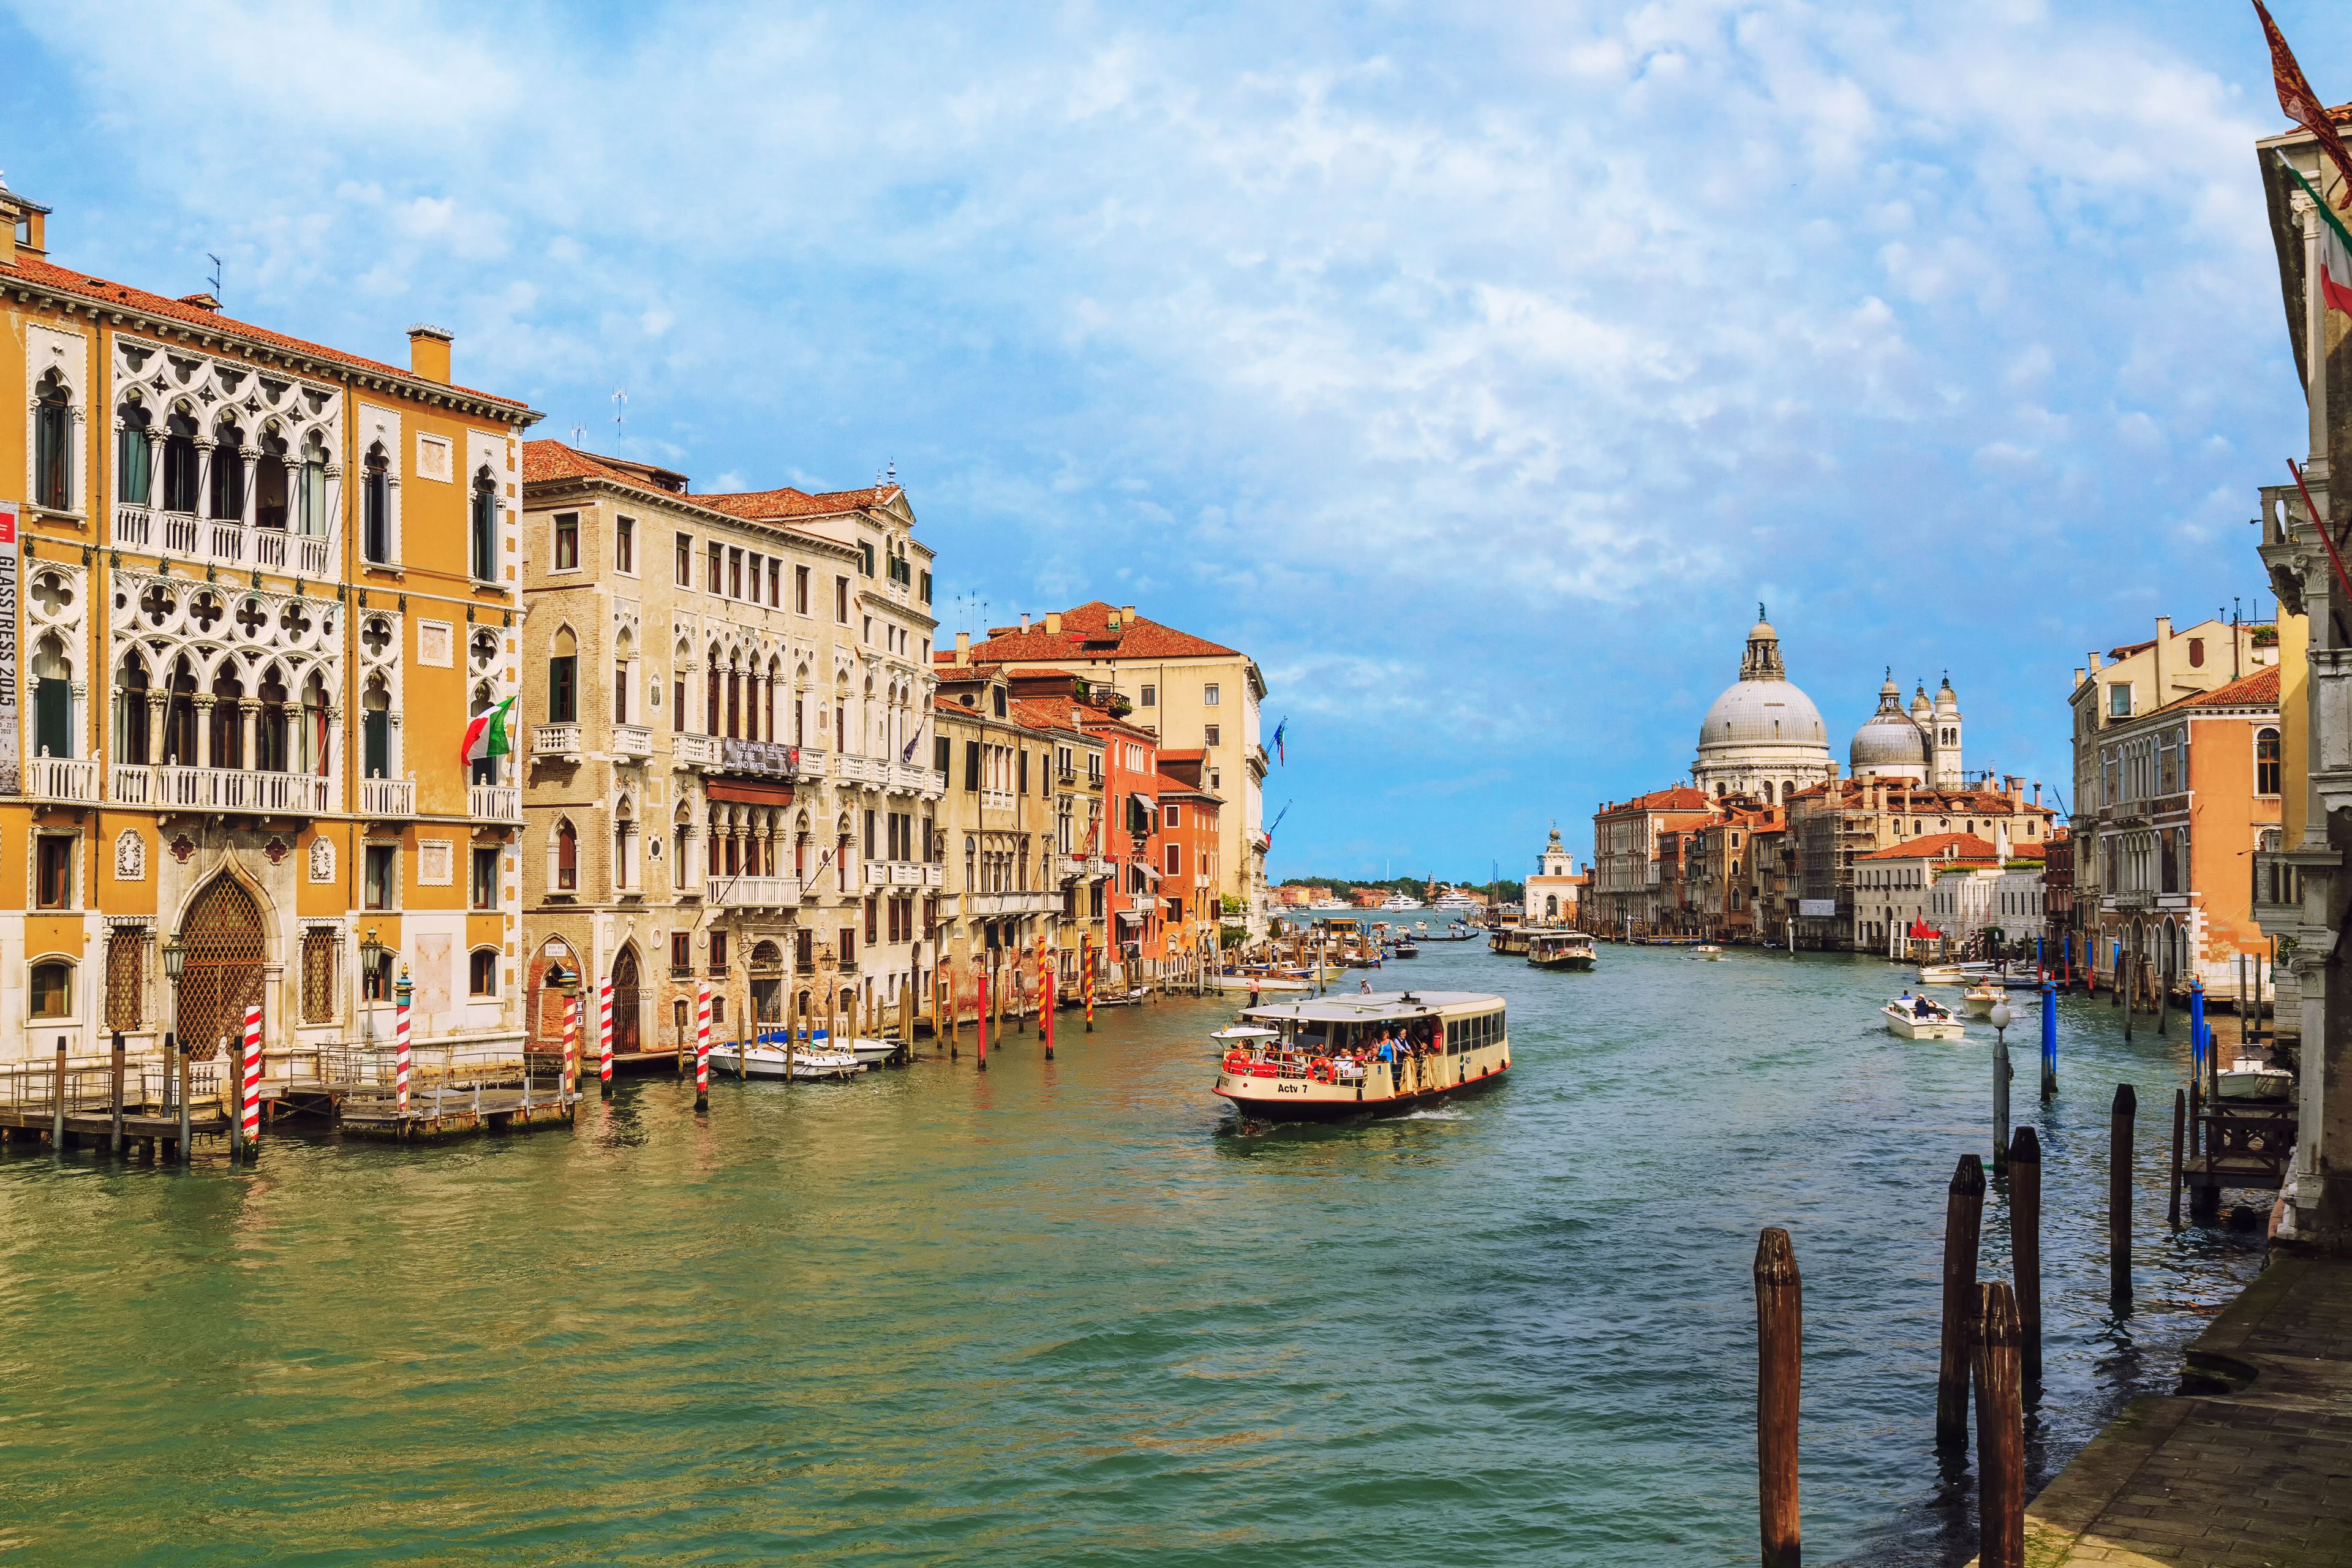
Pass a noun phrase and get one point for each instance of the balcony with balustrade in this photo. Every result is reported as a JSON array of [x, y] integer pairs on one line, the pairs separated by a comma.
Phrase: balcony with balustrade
[[62, 781], [494, 802], [928, 782], [556, 740], [387, 800], [752, 892], [695, 751], [633, 741], [232, 543], [170, 787], [857, 770], [903, 874]]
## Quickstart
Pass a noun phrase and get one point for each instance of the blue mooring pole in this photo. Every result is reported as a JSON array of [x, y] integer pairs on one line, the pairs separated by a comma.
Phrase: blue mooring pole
[[2198, 1042], [2049, 1039]]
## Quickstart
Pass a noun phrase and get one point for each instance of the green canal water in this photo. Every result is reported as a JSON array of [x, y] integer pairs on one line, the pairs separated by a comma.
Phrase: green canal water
[[1065, 1313]]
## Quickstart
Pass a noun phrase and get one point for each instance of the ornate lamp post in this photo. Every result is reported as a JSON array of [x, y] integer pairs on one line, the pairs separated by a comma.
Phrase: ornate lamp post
[[175, 1061], [371, 960]]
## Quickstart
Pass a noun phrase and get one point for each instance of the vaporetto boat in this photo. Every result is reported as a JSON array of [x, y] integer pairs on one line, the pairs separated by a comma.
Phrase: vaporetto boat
[[1339, 1057]]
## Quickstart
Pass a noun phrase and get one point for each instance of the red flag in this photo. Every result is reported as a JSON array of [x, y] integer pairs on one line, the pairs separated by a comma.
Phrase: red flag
[[2303, 105]]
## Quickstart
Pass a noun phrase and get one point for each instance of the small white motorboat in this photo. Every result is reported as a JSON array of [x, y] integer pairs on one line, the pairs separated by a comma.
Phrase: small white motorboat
[[1264, 985], [1917, 1018], [1976, 1001], [1942, 975], [2247, 1079], [802, 1064], [1706, 950]]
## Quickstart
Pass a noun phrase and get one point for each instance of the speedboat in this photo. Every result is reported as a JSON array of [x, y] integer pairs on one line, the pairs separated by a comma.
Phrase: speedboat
[[1706, 950], [1977, 1000], [1943, 974], [1266, 984], [1917, 1018], [2247, 1079], [773, 1059]]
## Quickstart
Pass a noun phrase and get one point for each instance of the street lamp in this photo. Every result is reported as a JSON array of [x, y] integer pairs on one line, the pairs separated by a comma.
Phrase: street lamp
[[2000, 1019], [371, 960]]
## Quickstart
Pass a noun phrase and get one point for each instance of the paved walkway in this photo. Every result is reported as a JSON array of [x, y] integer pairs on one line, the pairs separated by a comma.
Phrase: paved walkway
[[2250, 1467]]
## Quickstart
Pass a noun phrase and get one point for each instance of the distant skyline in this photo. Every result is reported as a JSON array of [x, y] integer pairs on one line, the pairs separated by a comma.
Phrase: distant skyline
[[1475, 368]]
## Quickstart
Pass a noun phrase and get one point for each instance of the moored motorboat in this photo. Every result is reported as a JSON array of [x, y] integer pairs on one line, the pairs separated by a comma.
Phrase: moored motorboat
[[1918, 1018], [1942, 975], [1340, 1056], [1265, 984], [1559, 950], [2247, 1079], [776, 1060], [1977, 1000]]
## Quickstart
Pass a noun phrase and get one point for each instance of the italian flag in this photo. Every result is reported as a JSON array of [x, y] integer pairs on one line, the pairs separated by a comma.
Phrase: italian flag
[[2334, 249], [492, 734]]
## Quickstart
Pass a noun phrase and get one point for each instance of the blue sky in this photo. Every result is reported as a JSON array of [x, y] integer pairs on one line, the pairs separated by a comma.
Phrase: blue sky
[[1476, 367]]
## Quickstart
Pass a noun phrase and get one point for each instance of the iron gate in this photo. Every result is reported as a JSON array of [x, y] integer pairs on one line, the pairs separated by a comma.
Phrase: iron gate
[[222, 976]]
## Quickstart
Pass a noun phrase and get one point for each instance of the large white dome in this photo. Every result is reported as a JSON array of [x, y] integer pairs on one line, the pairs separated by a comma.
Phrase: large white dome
[[1762, 713]]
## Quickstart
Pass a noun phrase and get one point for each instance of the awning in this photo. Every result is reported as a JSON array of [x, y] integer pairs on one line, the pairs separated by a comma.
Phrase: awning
[[1130, 916], [748, 794], [1147, 871]]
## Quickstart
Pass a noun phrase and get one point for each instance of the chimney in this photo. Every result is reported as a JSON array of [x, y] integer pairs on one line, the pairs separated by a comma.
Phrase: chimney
[[2078, 675], [1024, 623], [2037, 792], [428, 352], [15, 210], [963, 650], [1127, 614], [201, 301], [1053, 622]]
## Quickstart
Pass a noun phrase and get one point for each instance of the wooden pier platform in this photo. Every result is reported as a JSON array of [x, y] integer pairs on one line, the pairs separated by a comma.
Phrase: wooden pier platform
[[2250, 1463]]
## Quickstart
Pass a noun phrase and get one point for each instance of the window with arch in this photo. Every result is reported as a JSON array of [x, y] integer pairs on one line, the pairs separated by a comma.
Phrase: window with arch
[[482, 528], [53, 444], [2266, 761], [566, 853], [228, 489], [50, 994], [375, 728], [53, 725], [133, 456], [482, 973], [131, 741], [563, 679], [375, 505], [310, 488], [181, 464]]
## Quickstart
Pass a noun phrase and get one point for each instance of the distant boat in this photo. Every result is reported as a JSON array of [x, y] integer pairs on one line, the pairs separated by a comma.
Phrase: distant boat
[[2247, 1079], [1706, 950]]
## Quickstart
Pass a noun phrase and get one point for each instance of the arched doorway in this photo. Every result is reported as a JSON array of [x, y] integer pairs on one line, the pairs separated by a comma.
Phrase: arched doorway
[[767, 985], [224, 945], [626, 1003]]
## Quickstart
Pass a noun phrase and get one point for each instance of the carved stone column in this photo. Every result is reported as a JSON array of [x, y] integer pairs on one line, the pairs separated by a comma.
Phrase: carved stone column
[[203, 703]]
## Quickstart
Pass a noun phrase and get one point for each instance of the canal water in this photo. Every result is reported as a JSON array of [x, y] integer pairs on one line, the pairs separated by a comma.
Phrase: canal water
[[1065, 1313]]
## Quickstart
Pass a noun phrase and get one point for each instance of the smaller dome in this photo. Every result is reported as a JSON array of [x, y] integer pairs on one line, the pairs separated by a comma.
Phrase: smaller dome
[[1890, 740], [1919, 708], [1762, 632], [1948, 702]]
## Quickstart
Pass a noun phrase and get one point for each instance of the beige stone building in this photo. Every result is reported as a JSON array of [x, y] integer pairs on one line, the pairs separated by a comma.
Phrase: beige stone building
[[728, 777], [1189, 692]]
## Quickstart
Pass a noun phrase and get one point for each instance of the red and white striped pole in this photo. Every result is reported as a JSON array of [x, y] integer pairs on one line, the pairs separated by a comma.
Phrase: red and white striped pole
[[400, 1055], [701, 1046], [604, 1033], [1045, 989], [563, 1085], [251, 1109], [979, 1022]]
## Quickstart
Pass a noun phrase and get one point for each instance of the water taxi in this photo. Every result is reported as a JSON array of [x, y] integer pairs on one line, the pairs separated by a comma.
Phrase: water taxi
[[1918, 1018], [1706, 950], [1977, 1000], [1339, 1057], [1559, 950], [1942, 975]]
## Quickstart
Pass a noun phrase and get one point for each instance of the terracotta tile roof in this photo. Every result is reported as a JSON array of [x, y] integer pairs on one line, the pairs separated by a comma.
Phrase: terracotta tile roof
[[1954, 847], [545, 461], [32, 269], [1086, 633], [789, 503], [1046, 712], [1193, 756], [2260, 690], [1682, 797], [1167, 786]]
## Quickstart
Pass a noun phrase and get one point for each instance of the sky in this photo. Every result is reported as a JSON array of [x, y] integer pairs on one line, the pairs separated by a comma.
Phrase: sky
[[1477, 368]]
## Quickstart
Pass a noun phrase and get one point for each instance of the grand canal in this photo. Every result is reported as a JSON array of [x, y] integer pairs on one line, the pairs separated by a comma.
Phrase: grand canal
[[1065, 1313]]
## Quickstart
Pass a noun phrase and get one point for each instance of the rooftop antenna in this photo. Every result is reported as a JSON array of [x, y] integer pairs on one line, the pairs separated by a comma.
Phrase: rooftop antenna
[[217, 275], [620, 406], [579, 433]]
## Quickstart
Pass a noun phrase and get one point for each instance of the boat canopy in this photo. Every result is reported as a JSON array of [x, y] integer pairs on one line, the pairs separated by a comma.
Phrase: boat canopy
[[1245, 1032], [1372, 1007]]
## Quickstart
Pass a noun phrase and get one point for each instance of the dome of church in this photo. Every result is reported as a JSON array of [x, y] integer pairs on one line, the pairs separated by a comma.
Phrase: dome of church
[[1762, 713], [1888, 740], [1763, 736]]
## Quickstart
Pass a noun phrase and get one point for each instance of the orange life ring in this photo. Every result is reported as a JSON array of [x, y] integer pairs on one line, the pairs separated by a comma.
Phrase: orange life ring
[[1321, 1071], [1237, 1060]]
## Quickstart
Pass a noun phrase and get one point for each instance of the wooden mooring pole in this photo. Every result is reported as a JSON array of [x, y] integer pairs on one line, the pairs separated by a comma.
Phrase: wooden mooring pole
[[117, 1095], [57, 1108], [2119, 1188], [2000, 1431], [1963, 1218], [1779, 1364], [2025, 1241], [179, 1058], [2179, 1131]]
